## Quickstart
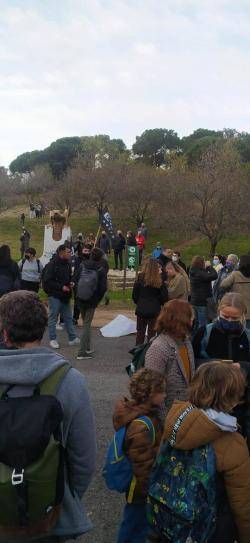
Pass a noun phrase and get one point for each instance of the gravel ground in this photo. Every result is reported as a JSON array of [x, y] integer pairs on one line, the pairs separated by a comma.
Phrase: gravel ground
[[107, 381]]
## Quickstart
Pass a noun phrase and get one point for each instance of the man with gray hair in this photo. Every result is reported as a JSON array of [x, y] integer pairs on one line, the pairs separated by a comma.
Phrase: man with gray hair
[[232, 263]]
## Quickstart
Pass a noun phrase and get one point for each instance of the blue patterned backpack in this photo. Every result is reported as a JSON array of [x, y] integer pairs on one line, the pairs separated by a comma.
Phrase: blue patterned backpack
[[181, 505]]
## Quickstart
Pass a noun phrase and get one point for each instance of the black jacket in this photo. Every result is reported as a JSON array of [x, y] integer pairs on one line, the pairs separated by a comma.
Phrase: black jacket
[[104, 244], [131, 241], [119, 244], [222, 346], [148, 300], [57, 273], [10, 278], [101, 285], [201, 281], [164, 260]]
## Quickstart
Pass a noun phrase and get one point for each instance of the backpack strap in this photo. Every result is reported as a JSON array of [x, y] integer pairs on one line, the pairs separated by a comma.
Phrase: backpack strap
[[205, 341], [38, 265], [149, 424], [22, 264], [50, 385], [178, 423]]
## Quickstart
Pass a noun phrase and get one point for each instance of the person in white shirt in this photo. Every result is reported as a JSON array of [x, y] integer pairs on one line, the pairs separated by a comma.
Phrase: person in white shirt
[[31, 269]]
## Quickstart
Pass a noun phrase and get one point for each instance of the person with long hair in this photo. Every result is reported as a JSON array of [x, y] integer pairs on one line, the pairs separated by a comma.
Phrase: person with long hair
[[227, 338], [149, 294], [10, 277], [201, 275], [171, 353], [178, 282], [215, 389]]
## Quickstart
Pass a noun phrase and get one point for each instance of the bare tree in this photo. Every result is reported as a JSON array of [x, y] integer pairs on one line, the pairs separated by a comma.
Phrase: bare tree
[[211, 192]]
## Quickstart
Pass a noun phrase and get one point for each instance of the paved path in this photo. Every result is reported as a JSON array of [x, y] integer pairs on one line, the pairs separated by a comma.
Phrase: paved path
[[107, 381]]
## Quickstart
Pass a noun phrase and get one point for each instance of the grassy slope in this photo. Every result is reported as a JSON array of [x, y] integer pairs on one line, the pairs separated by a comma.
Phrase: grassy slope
[[10, 230]]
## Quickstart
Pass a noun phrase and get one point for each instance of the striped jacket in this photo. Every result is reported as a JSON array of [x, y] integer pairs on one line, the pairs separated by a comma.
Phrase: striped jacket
[[163, 356]]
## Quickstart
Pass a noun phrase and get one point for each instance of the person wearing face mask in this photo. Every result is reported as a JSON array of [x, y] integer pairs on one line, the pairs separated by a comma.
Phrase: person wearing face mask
[[30, 269], [228, 339], [230, 266], [218, 262]]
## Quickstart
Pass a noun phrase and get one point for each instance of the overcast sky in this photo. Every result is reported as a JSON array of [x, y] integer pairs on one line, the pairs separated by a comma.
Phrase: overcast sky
[[118, 67]]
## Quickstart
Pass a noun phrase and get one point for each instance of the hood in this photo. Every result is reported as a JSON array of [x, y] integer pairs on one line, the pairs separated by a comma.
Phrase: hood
[[92, 264], [197, 428], [127, 410], [28, 366]]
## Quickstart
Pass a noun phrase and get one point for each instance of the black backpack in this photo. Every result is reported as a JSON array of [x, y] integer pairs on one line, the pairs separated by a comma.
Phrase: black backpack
[[31, 460], [87, 284]]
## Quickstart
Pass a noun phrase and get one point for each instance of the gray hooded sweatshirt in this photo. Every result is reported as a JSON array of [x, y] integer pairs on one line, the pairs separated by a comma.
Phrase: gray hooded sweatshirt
[[26, 368]]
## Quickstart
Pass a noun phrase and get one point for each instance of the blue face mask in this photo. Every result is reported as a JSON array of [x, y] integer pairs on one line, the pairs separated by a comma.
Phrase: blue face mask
[[216, 261], [231, 327]]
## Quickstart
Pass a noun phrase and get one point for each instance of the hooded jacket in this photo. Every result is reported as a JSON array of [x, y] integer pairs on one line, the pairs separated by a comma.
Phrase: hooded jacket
[[237, 282], [201, 280], [101, 269], [25, 368], [232, 458], [138, 443]]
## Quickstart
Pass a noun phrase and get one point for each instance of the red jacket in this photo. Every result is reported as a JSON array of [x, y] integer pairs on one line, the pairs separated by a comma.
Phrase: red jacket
[[140, 240]]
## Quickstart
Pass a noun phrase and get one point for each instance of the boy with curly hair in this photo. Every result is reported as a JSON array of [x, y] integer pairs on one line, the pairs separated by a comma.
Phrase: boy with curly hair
[[147, 390]]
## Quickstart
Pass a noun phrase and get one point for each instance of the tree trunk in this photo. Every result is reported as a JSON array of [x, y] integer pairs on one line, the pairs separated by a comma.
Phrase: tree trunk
[[213, 245]]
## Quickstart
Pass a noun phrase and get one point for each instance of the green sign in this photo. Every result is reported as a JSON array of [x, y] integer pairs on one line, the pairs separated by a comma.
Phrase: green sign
[[133, 257]]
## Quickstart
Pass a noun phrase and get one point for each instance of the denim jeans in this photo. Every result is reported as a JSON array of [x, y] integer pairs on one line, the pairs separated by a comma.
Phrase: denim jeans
[[87, 317], [201, 315], [57, 307], [134, 526]]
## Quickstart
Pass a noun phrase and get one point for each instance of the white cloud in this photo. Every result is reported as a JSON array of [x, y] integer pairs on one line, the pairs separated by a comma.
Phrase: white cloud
[[118, 67]]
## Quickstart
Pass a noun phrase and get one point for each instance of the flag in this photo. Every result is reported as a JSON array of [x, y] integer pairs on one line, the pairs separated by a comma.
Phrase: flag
[[106, 221]]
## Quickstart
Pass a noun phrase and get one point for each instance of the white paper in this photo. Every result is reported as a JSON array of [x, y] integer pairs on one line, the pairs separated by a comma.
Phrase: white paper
[[120, 326]]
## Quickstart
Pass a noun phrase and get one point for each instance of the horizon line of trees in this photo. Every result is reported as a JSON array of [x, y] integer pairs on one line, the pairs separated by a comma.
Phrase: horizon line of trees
[[206, 192], [153, 147]]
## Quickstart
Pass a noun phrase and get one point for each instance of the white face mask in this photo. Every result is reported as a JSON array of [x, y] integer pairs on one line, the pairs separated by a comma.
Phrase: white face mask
[[175, 258]]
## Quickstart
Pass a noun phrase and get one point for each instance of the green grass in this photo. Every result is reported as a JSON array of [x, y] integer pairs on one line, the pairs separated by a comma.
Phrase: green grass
[[10, 231]]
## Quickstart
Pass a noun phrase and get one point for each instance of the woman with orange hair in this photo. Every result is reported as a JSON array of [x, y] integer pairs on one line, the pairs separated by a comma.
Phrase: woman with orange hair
[[171, 353]]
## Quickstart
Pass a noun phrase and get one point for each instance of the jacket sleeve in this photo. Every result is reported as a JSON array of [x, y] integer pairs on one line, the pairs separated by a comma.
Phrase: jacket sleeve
[[163, 294], [49, 278], [81, 441], [136, 292], [228, 281], [208, 275], [102, 284], [236, 470], [139, 449]]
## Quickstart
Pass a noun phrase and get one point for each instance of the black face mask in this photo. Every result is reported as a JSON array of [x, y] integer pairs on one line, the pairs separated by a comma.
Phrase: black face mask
[[231, 327], [27, 257]]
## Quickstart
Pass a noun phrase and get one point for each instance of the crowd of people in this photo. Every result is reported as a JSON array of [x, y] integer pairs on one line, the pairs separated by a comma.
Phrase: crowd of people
[[186, 425]]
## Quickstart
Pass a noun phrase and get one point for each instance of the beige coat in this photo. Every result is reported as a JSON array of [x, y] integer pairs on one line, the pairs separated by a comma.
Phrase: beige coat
[[178, 287], [237, 282]]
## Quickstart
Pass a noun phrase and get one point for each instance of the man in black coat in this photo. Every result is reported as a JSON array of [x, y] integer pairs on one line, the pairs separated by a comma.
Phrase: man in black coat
[[119, 246], [58, 284]]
